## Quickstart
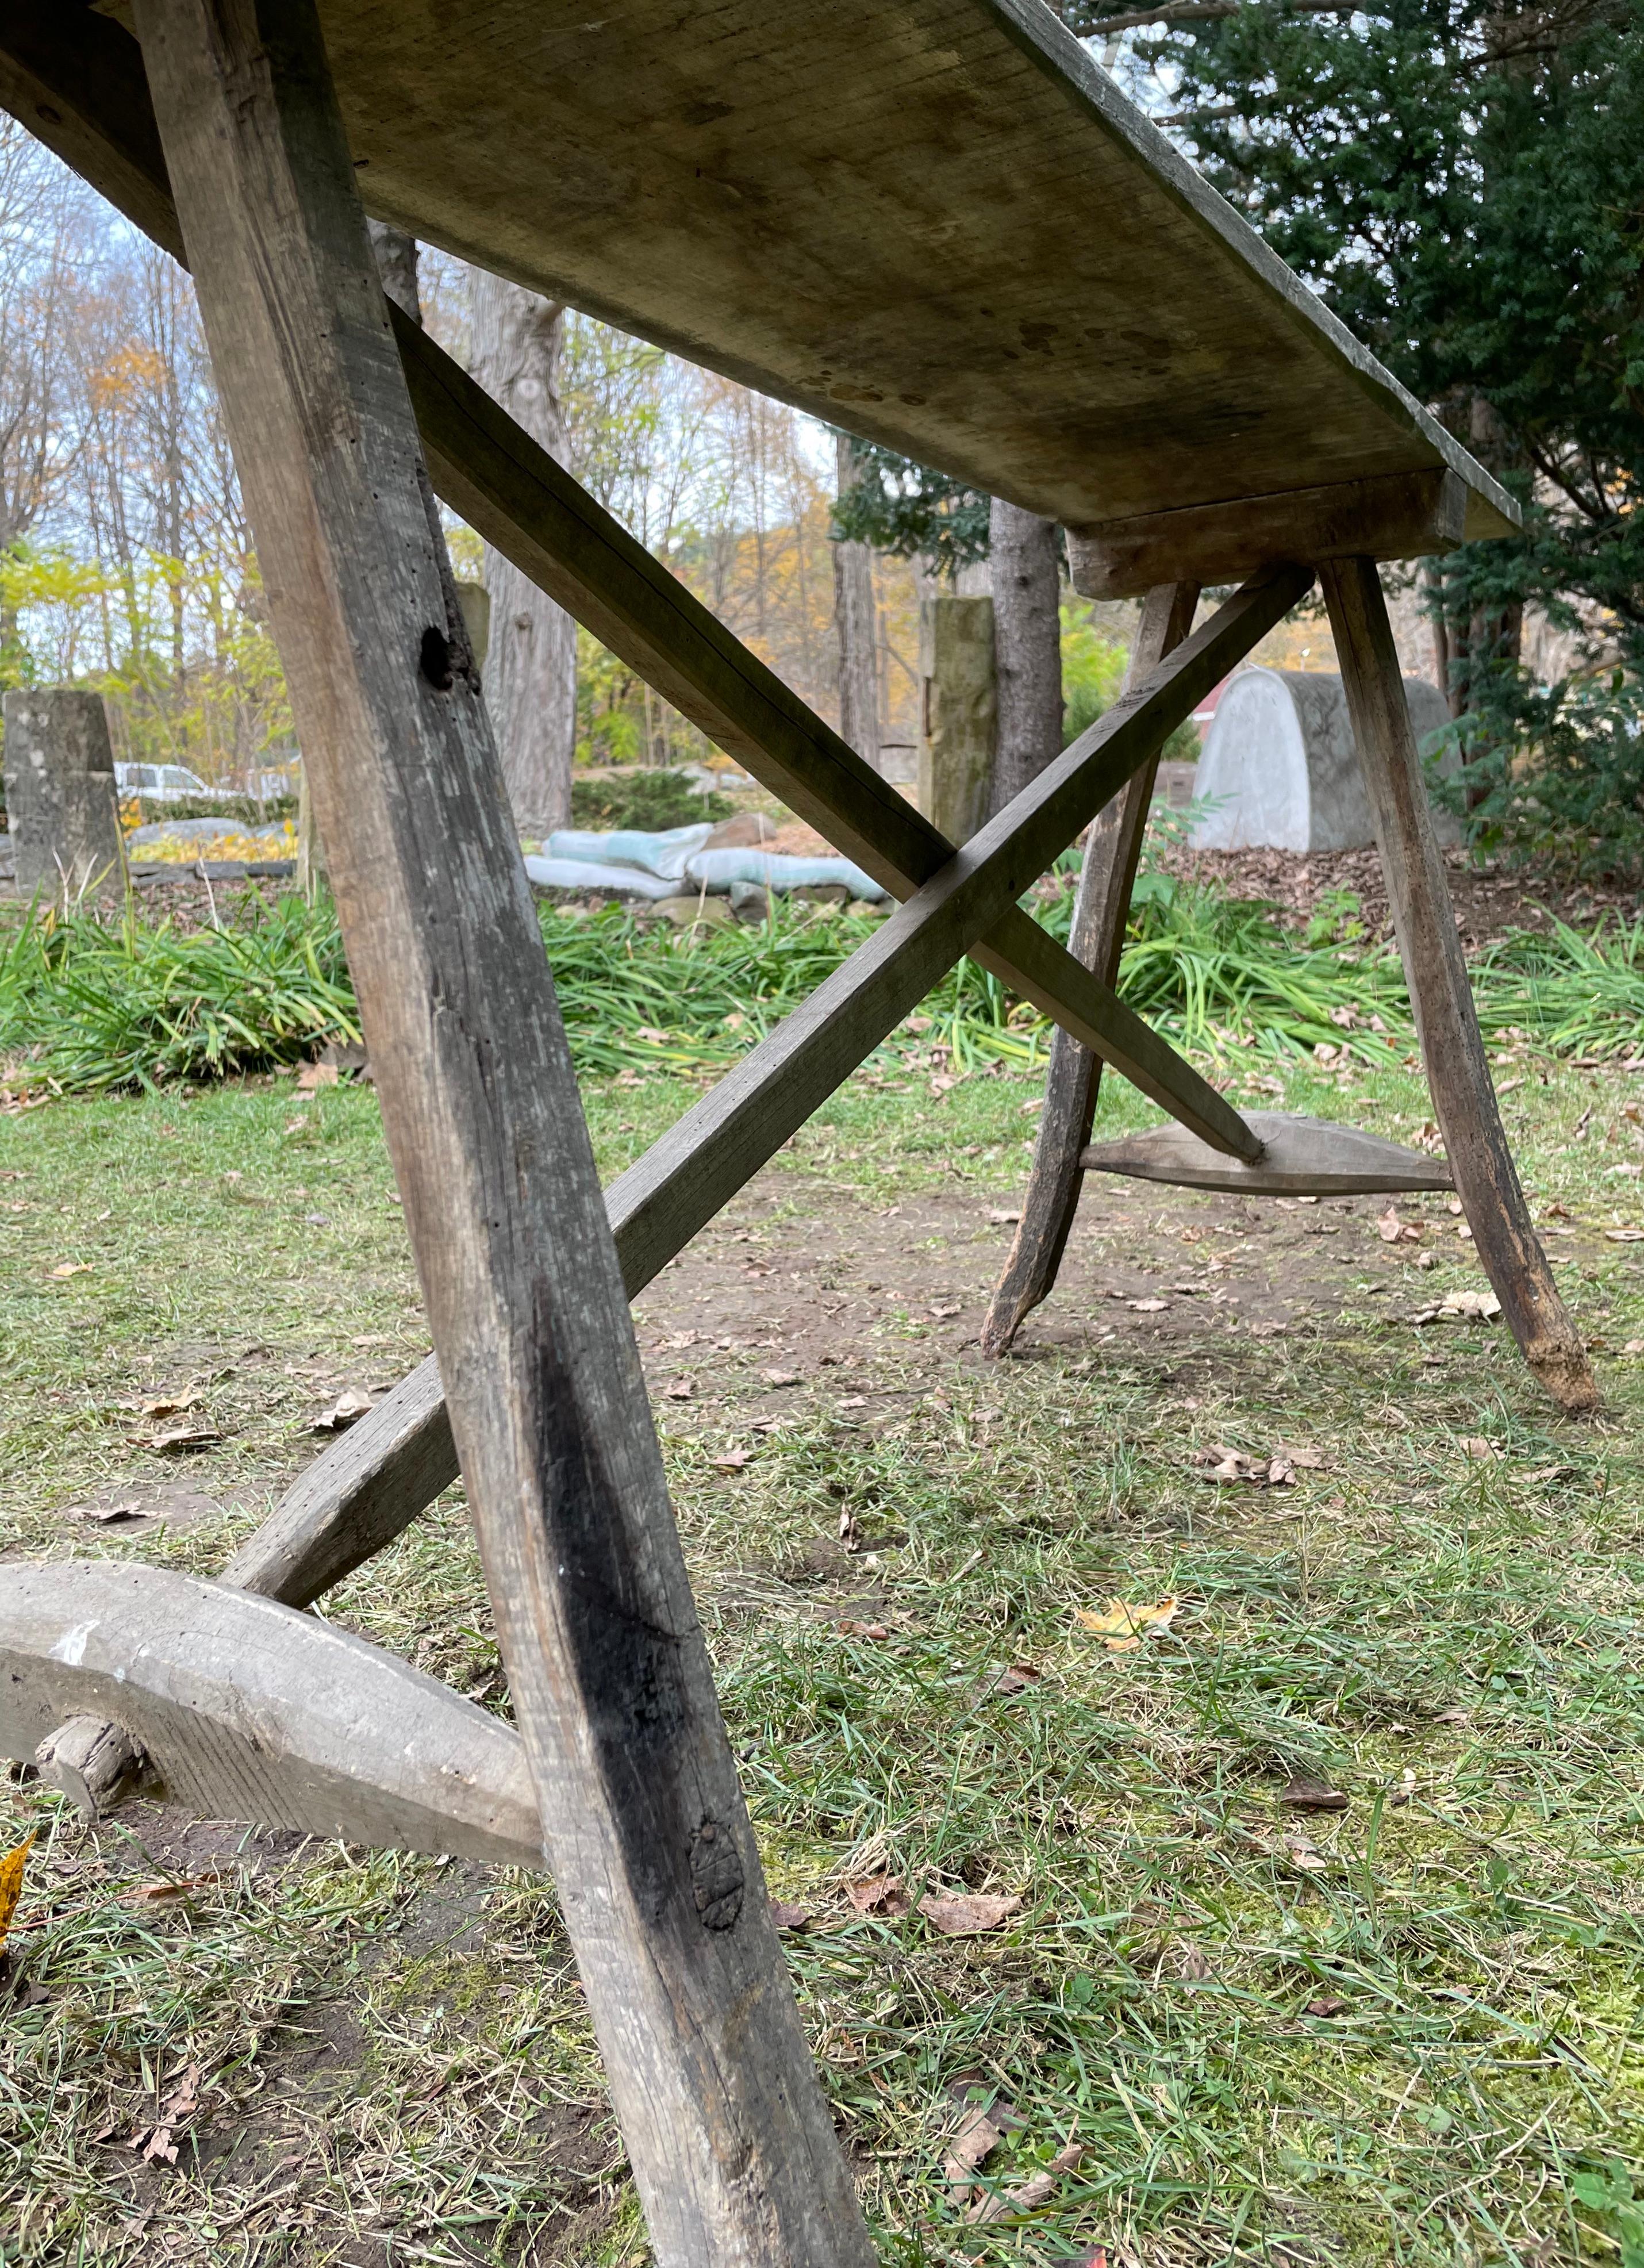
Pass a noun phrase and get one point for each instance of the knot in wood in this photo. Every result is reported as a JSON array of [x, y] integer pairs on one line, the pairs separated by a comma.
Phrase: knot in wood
[[715, 1875], [433, 660]]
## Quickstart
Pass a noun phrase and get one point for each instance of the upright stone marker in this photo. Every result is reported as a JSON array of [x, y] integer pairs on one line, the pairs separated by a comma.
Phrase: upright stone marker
[[959, 728], [60, 791]]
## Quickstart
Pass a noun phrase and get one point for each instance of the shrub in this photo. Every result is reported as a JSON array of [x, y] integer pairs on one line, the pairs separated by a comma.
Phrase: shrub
[[651, 800]]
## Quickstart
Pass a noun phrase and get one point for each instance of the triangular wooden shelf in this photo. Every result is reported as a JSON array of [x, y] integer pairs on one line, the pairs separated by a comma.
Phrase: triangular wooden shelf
[[1302, 1157]]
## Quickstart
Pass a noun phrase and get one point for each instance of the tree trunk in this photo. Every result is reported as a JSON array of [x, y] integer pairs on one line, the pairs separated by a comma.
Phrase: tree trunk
[[1025, 553], [856, 618], [531, 668]]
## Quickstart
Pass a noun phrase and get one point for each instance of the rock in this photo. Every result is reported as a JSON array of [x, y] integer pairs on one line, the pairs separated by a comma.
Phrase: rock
[[746, 832], [685, 913], [1280, 769]]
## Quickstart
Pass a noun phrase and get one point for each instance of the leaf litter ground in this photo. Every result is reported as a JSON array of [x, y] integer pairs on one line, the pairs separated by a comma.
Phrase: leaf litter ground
[[1303, 1924]]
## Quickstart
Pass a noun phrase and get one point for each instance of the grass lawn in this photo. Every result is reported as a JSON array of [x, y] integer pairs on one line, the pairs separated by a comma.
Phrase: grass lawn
[[1404, 2029]]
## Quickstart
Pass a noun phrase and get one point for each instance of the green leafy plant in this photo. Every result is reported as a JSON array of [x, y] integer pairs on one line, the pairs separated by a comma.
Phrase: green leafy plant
[[650, 800]]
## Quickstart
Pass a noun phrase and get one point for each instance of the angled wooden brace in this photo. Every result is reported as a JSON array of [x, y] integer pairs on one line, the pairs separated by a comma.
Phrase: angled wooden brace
[[734, 2154], [1097, 938], [363, 1492]]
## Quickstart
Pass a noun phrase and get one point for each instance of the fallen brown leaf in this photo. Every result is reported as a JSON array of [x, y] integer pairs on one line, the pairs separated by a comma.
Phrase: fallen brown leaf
[[316, 1074], [177, 1437], [1147, 1306], [734, 1460], [975, 2142], [72, 1268], [1028, 2196], [349, 1407], [862, 1630], [1194, 1966], [1615, 1235], [1313, 1795], [966, 1913], [681, 1390], [779, 1377], [1019, 1678], [1390, 1228], [789, 1917], [1480, 1450], [1326, 2006], [173, 1405], [1302, 1853], [884, 1896]]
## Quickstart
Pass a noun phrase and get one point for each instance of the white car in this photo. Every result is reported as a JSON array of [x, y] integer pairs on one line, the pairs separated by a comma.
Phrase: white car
[[160, 783]]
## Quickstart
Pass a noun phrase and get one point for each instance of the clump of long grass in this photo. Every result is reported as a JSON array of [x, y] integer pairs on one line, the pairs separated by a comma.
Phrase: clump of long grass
[[88, 1006]]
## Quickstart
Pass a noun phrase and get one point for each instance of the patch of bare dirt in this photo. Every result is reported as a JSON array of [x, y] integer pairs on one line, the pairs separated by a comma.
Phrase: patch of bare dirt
[[860, 1310], [1489, 900]]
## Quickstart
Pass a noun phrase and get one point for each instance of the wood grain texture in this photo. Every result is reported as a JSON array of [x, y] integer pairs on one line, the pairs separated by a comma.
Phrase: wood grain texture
[[95, 1764], [896, 213], [1300, 1157], [1096, 938], [1398, 516], [1458, 1072], [247, 1710], [733, 2152]]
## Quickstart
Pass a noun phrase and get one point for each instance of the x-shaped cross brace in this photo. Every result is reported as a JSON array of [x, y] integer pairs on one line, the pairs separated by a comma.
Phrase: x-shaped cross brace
[[362, 1492], [83, 90]]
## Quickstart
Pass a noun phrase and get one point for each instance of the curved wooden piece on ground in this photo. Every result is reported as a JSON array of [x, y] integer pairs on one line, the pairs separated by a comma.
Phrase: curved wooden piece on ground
[[1458, 1072], [1096, 938], [1300, 1157], [250, 1711]]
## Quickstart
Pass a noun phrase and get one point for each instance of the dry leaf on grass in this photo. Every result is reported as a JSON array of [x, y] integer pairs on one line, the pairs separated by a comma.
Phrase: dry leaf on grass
[[1003, 1216], [1147, 1306], [966, 1913], [1302, 1853], [790, 1919], [862, 1630], [1021, 1677], [1626, 1235], [681, 1389], [184, 1436], [882, 1896], [1326, 2006], [11, 1866], [316, 1074], [1482, 1451], [977, 2139], [349, 1407], [1028, 2196], [173, 1405], [1313, 1795], [734, 1460], [1276, 1469], [179, 2107], [779, 1377], [1193, 1966], [1121, 1629], [72, 1268]]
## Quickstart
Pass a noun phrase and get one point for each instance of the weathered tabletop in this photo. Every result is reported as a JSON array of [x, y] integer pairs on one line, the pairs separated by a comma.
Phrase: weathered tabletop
[[936, 222]]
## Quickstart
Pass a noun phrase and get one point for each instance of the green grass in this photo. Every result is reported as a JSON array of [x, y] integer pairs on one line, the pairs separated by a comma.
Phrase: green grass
[[399, 2047], [87, 1007]]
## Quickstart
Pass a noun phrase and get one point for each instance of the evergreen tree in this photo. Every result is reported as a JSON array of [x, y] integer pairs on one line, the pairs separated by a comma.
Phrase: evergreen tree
[[1465, 186]]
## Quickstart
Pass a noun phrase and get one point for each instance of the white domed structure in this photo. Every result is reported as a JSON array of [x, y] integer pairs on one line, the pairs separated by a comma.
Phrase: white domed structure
[[1280, 769]]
